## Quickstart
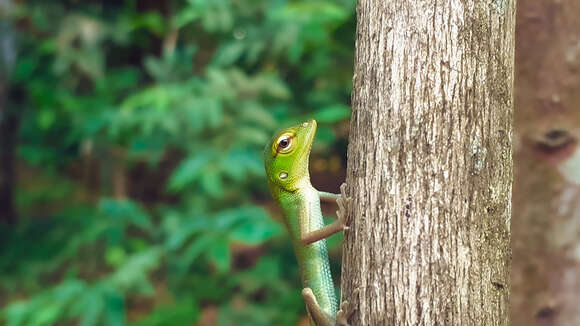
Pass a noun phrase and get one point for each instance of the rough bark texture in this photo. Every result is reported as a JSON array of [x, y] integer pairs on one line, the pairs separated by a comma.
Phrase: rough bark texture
[[546, 221], [430, 163]]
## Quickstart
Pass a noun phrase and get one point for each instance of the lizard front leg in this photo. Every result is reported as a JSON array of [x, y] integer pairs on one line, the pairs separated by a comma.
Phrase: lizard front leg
[[339, 225]]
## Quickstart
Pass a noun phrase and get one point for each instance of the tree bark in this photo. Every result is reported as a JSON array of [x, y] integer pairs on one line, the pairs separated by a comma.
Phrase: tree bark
[[430, 163], [546, 222]]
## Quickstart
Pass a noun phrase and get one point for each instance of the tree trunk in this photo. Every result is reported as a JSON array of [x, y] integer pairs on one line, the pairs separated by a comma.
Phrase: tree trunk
[[430, 163], [546, 222], [9, 122]]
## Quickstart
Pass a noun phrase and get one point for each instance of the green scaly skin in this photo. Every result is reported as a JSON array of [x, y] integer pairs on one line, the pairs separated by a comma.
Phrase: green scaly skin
[[286, 162]]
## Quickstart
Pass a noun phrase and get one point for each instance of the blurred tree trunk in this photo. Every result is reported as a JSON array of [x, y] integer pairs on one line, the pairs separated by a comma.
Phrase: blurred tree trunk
[[430, 163], [546, 222], [9, 121], [119, 177]]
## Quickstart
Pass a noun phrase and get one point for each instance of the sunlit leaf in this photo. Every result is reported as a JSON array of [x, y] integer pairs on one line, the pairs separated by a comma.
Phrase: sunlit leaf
[[115, 256], [229, 53], [133, 273], [46, 119]]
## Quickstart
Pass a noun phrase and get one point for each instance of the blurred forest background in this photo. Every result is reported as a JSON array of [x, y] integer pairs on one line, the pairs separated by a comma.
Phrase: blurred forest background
[[132, 189], [136, 131]]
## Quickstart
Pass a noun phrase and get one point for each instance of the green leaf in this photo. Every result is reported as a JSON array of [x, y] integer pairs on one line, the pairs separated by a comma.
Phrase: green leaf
[[239, 164], [197, 247], [125, 210], [256, 233], [151, 21], [115, 256], [133, 273], [229, 53], [251, 135], [16, 313], [46, 307], [332, 114], [181, 229], [219, 255], [188, 171], [90, 307], [183, 312], [114, 309], [250, 224], [211, 181], [186, 16], [46, 119]]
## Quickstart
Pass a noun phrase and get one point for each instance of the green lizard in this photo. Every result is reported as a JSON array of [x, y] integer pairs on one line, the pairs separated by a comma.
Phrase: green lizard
[[286, 163]]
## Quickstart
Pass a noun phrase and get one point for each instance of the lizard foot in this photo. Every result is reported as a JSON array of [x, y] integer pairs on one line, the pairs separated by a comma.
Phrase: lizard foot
[[343, 203], [347, 308]]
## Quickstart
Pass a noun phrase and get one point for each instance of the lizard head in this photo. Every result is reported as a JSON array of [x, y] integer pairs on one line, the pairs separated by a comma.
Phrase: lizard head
[[286, 157]]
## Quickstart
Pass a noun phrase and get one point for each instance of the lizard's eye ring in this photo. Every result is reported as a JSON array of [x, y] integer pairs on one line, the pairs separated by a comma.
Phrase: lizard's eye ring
[[284, 143]]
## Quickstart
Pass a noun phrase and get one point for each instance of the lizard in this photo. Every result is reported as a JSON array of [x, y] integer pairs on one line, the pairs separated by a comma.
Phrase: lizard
[[286, 162]]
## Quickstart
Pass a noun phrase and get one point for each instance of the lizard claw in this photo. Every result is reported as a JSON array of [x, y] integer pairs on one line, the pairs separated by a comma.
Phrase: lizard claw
[[347, 308], [343, 203]]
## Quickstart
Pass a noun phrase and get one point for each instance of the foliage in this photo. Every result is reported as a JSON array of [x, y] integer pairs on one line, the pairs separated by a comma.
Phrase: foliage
[[141, 196]]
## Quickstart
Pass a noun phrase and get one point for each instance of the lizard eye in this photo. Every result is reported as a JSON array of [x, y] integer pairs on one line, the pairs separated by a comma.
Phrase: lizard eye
[[284, 143]]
